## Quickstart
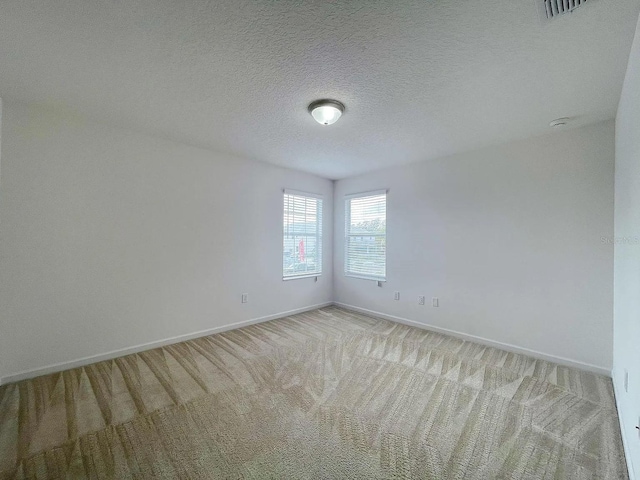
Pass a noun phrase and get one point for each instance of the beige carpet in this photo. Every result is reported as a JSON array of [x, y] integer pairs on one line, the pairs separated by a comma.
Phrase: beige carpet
[[321, 395]]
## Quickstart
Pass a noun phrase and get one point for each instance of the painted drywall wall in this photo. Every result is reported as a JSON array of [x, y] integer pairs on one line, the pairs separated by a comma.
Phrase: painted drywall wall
[[626, 342], [3, 340], [513, 240], [111, 239]]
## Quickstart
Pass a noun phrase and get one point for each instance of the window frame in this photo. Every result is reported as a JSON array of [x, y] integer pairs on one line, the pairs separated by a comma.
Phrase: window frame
[[318, 233], [347, 234]]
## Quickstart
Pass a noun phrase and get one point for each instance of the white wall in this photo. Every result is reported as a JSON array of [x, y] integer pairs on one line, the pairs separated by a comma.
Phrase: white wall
[[510, 239], [110, 239], [626, 349], [3, 339]]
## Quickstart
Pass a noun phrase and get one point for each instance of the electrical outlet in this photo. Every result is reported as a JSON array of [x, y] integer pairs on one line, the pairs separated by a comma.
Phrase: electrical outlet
[[421, 300], [434, 302], [396, 295], [245, 297], [626, 380]]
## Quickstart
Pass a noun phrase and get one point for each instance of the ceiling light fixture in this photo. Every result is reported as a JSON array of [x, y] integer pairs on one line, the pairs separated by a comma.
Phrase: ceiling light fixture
[[326, 112]]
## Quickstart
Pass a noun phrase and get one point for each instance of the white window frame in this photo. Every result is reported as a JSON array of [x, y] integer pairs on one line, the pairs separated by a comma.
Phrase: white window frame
[[318, 234], [347, 235]]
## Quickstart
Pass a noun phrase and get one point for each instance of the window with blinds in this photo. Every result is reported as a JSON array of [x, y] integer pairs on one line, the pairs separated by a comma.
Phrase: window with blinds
[[302, 235], [366, 235]]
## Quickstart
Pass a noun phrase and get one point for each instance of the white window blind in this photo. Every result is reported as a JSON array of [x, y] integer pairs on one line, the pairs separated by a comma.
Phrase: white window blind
[[366, 235], [302, 235]]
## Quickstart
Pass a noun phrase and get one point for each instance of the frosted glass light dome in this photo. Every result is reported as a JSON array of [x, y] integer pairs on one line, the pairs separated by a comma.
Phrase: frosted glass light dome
[[326, 112]]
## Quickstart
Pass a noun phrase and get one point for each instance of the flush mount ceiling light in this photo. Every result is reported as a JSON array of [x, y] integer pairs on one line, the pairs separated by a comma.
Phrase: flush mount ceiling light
[[326, 112]]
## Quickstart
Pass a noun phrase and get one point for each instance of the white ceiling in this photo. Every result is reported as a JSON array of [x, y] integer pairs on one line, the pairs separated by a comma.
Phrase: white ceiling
[[420, 79]]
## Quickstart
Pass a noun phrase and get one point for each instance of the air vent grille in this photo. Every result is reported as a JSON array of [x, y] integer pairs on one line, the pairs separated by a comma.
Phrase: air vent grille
[[554, 8]]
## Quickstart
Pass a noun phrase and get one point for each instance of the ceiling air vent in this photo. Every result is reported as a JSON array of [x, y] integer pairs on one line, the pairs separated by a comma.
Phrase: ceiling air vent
[[554, 8]]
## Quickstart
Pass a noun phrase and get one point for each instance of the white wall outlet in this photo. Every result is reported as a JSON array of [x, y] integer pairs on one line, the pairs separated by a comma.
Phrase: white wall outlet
[[396, 295], [435, 302], [626, 380], [421, 300], [245, 297]]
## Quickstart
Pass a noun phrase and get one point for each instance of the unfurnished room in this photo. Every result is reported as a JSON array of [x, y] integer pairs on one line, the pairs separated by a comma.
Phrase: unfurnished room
[[321, 239]]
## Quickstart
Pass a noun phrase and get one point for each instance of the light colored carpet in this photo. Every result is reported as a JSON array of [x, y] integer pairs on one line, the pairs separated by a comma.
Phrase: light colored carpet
[[320, 395]]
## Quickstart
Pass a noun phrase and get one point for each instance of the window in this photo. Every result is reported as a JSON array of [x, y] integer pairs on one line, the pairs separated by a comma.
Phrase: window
[[302, 235], [366, 235]]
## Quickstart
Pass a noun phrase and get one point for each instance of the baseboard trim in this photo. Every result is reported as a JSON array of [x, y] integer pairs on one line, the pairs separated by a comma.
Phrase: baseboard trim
[[625, 443], [81, 362], [58, 367], [484, 341]]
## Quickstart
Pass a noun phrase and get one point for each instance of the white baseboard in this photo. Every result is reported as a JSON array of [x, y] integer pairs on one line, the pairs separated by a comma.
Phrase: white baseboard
[[81, 362], [484, 341], [625, 443], [58, 367]]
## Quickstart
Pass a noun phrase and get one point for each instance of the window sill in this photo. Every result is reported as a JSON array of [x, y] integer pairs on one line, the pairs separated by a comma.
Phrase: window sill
[[297, 277], [362, 277]]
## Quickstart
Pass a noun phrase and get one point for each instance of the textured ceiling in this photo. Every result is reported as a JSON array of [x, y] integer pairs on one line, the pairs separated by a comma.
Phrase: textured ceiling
[[420, 79]]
